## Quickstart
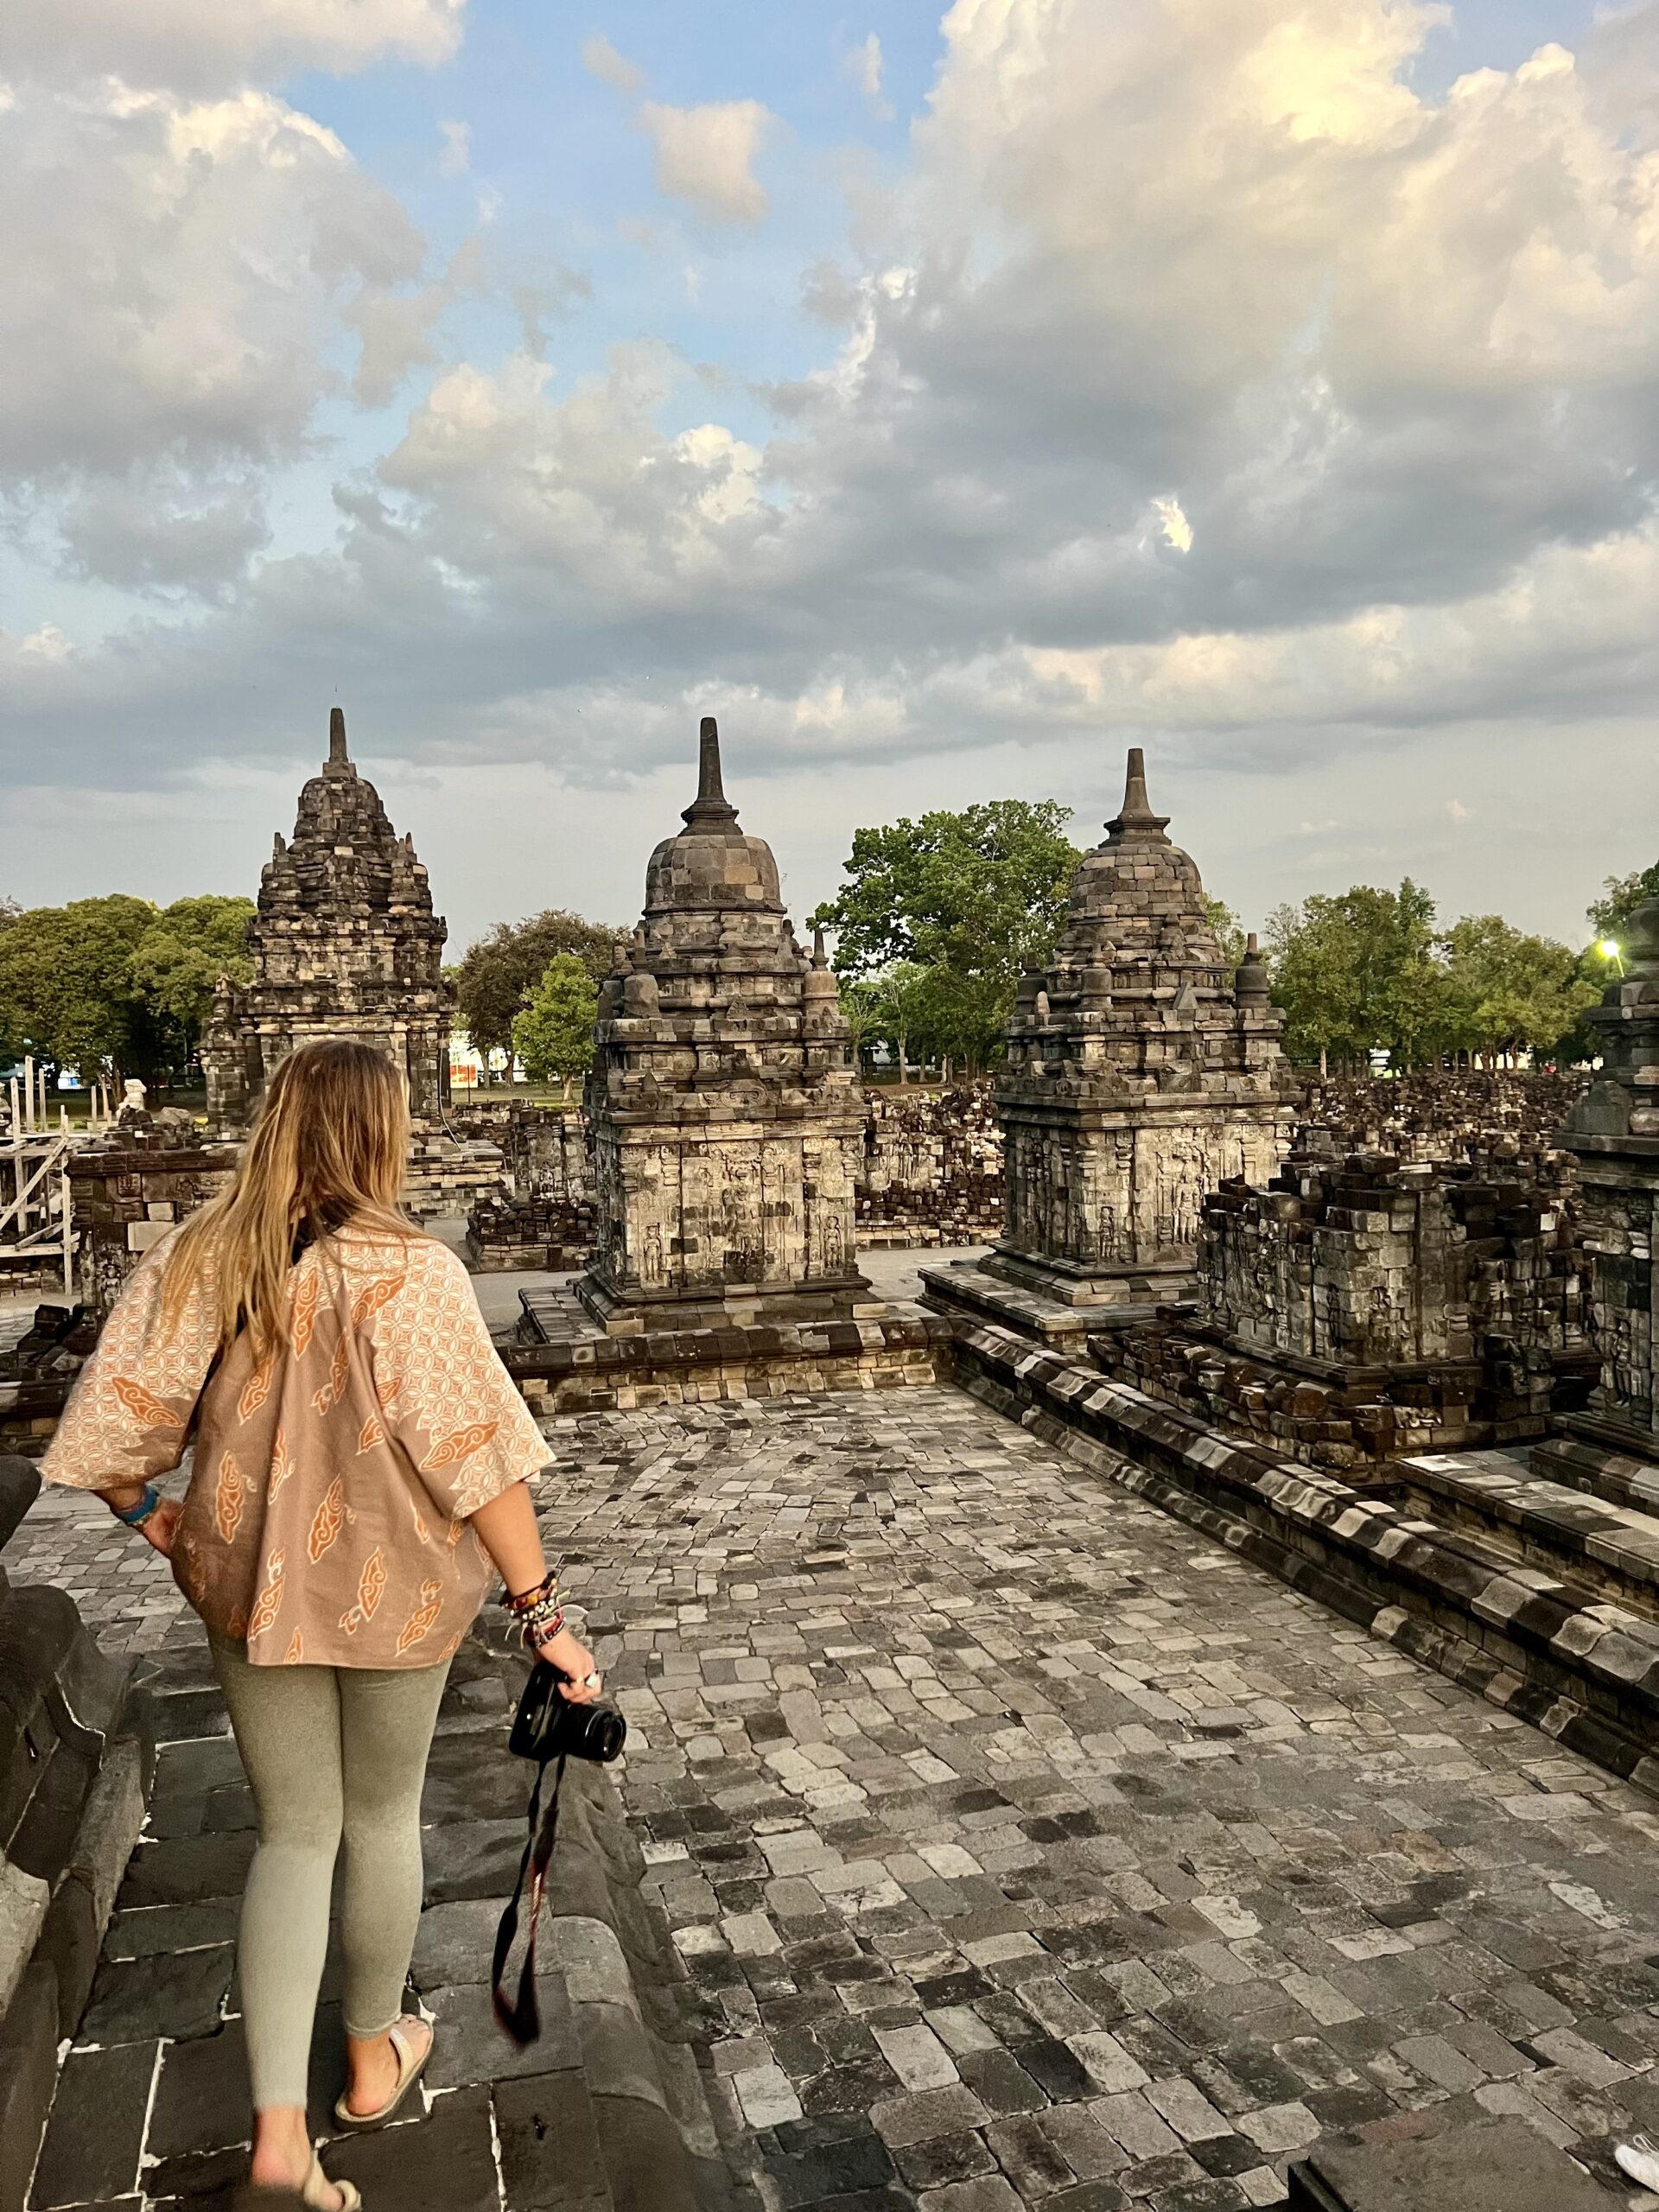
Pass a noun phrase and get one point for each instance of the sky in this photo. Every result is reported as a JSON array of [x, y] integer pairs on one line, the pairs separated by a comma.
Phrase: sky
[[947, 401]]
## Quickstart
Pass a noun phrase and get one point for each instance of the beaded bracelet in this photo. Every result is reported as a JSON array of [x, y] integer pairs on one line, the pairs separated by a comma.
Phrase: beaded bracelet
[[527, 1599], [537, 1631]]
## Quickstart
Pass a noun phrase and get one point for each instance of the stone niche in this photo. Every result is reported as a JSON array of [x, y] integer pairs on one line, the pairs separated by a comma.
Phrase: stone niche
[[1140, 1074], [344, 944], [1613, 1134], [1359, 1310], [726, 1120]]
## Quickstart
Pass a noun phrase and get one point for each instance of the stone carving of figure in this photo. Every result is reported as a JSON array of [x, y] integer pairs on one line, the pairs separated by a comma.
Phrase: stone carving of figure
[[133, 1095]]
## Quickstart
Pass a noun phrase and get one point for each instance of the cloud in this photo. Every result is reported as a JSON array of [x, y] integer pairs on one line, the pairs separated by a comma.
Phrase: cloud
[[1396, 354], [456, 157], [601, 59], [864, 64], [705, 157], [202, 45], [176, 271]]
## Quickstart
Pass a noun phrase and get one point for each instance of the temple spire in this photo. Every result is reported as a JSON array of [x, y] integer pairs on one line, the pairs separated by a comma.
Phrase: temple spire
[[338, 756], [1136, 817], [711, 804]]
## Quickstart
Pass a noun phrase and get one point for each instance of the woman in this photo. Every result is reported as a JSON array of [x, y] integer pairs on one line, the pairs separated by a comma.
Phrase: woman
[[360, 1459]]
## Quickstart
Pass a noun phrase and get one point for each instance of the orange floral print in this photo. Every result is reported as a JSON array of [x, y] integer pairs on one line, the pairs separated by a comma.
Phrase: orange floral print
[[258, 1390], [374, 1432], [268, 1603], [308, 1295], [295, 1651], [237, 1626], [421, 1621], [327, 1521], [339, 1369], [459, 1444], [371, 1588], [374, 1295], [282, 1466], [227, 1499], [143, 1405]]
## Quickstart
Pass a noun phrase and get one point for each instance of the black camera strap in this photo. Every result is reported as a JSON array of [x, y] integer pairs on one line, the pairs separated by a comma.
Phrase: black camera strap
[[520, 2015]]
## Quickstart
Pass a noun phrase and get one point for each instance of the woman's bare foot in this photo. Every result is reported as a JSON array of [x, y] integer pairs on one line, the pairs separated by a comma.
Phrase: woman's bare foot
[[374, 2064], [283, 2155]]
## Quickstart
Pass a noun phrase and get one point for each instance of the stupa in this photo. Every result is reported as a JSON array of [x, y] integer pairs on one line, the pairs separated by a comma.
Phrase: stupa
[[724, 1099], [1139, 1073], [344, 944]]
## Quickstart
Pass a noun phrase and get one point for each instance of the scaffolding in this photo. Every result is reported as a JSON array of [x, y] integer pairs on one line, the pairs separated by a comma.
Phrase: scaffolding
[[37, 1223]]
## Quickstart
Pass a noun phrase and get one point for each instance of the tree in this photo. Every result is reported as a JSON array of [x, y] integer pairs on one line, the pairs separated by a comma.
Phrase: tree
[[984, 890], [67, 988], [497, 975], [553, 1035], [973, 899], [1229, 931], [898, 1006], [180, 958], [1357, 971], [1509, 992], [1620, 897]]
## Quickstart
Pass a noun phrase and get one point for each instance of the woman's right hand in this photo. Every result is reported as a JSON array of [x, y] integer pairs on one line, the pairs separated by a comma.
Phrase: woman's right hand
[[576, 1662]]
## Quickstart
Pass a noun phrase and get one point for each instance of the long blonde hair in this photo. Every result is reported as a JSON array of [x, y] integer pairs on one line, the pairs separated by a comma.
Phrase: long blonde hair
[[328, 1147]]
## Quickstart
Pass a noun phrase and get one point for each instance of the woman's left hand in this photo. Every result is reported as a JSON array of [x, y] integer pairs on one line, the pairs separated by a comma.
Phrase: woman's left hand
[[159, 1528]]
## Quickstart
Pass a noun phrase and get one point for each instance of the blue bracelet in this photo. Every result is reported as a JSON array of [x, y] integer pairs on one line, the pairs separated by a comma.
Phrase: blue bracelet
[[137, 1514]]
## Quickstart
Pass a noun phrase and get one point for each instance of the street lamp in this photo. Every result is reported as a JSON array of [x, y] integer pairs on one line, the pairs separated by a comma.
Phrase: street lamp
[[1609, 951]]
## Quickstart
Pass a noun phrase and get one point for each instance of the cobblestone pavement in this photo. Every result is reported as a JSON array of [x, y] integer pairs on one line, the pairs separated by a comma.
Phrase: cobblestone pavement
[[1029, 1850], [1032, 1852]]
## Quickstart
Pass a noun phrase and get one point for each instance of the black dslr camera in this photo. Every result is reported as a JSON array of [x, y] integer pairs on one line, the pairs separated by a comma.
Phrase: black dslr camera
[[548, 1726]]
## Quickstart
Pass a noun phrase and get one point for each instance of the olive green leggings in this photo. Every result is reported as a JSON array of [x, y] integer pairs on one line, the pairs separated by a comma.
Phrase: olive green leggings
[[331, 1752]]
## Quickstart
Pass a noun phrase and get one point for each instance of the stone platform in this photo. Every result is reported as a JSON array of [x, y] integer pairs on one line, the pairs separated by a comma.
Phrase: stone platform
[[967, 1291], [564, 1364]]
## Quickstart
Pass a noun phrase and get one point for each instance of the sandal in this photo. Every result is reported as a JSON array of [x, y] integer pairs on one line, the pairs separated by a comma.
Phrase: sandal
[[410, 2066], [316, 2181]]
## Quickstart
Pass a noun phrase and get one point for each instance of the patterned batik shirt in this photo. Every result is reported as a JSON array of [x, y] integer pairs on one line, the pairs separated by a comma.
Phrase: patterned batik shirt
[[327, 1521]]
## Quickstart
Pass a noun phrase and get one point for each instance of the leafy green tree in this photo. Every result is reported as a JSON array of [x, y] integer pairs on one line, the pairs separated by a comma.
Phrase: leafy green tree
[[1509, 992], [1620, 897], [1229, 931], [67, 988], [983, 890], [553, 1035], [1357, 971], [897, 999], [973, 899], [180, 958], [10, 1043], [496, 976]]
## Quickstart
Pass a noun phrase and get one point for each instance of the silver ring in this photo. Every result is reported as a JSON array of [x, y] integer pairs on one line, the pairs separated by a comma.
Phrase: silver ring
[[591, 1682]]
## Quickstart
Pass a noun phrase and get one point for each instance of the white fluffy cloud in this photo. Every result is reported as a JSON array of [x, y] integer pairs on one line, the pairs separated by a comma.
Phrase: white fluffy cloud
[[194, 45], [601, 59], [705, 157]]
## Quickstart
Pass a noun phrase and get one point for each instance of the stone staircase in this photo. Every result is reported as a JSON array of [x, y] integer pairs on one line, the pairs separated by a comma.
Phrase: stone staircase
[[607, 2111]]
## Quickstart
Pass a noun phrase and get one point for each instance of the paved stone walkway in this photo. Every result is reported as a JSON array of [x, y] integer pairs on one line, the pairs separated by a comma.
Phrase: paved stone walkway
[[1027, 1850], [1035, 1852]]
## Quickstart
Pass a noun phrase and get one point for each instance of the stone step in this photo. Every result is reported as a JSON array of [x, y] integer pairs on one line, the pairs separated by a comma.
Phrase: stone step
[[1610, 1550], [1489, 2166], [1618, 1476]]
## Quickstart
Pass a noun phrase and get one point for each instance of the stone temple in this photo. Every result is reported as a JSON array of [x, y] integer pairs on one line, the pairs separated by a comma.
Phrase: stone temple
[[726, 1119], [1140, 1074], [344, 944]]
